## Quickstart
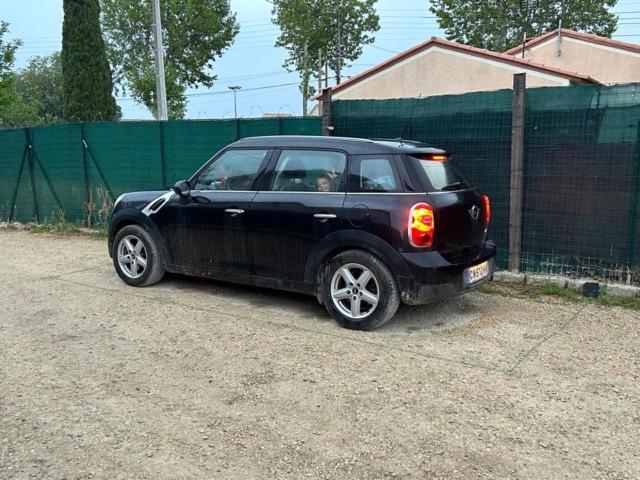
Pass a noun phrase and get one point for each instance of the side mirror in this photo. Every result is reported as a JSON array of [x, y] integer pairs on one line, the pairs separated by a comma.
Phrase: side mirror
[[182, 189]]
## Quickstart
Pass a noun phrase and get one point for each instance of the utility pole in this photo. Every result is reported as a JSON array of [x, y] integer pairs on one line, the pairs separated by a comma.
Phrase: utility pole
[[319, 72], [161, 86], [307, 75], [559, 44], [326, 73], [336, 22], [235, 89]]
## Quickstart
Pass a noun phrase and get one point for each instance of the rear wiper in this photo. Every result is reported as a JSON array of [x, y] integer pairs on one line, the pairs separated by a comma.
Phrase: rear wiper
[[456, 186]]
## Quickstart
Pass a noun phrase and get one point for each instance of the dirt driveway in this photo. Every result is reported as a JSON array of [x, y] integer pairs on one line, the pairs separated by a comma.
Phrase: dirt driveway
[[190, 380]]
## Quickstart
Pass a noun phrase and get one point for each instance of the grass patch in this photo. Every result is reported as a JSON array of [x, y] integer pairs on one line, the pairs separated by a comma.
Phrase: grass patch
[[528, 291], [60, 225]]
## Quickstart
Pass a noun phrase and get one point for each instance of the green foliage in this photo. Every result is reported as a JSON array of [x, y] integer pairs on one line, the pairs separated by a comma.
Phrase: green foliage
[[308, 31], [41, 83], [195, 33], [7, 77], [88, 87], [499, 26], [19, 112], [15, 111]]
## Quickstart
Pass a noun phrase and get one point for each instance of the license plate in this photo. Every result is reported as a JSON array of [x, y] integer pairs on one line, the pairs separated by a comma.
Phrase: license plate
[[476, 273]]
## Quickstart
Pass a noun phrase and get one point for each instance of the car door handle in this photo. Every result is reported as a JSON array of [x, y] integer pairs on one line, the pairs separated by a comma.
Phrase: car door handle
[[324, 216], [234, 211]]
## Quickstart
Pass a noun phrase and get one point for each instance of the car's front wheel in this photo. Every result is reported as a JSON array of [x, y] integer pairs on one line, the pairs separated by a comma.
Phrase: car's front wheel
[[359, 291], [137, 257]]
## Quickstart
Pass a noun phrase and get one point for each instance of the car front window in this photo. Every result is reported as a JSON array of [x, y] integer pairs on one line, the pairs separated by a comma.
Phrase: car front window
[[234, 170]]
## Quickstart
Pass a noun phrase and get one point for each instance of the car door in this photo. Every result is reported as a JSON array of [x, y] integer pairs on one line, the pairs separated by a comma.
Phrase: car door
[[206, 231], [299, 204]]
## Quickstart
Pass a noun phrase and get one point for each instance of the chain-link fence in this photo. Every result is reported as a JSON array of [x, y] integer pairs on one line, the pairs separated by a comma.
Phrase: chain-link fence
[[581, 197]]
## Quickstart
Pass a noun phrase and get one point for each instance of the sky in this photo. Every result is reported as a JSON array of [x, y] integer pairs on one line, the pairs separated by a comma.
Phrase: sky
[[253, 62]]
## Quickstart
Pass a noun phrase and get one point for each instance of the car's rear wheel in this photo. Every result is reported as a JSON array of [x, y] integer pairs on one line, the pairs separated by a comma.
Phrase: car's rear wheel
[[136, 257], [359, 291]]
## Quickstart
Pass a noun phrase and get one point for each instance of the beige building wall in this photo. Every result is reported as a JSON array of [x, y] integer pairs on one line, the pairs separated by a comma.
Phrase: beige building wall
[[440, 71], [603, 63]]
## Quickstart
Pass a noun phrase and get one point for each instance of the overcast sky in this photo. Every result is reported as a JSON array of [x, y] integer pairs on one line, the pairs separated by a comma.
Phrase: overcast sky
[[253, 61]]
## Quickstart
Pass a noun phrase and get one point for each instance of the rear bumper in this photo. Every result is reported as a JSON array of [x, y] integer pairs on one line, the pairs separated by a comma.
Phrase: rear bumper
[[435, 278]]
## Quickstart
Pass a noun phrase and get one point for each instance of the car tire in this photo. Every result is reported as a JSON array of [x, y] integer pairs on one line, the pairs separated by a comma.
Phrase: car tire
[[351, 303], [137, 257]]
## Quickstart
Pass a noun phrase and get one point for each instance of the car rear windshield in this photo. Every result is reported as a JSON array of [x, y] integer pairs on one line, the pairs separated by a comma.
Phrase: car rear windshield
[[441, 175]]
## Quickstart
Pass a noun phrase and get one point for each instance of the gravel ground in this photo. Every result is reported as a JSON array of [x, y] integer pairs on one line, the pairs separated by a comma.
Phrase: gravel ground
[[192, 379]]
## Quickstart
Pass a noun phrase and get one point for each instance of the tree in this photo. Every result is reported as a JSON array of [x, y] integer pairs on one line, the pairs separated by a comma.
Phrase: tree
[[87, 83], [14, 111], [7, 59], [195, 33], [501, 25], [309, 31], [41, 83]]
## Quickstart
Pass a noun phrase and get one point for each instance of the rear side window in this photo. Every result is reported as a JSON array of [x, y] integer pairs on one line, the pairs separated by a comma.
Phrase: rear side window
[[373, 174], [308, 171], [442, 175]]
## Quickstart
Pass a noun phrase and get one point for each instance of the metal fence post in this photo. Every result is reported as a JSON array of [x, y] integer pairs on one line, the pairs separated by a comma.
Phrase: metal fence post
[[85, 167], [32, 180], [517, 171], [325, 110]]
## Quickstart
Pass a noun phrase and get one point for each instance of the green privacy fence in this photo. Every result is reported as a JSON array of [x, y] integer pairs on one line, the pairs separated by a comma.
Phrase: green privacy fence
[[581, 198], [79, 169]]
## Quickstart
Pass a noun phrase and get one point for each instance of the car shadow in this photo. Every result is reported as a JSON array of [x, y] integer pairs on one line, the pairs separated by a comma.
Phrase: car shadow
[[442, 316]]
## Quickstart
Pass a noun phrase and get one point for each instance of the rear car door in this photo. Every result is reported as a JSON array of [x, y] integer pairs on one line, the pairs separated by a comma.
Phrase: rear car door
[[301, 203], [206, 232]]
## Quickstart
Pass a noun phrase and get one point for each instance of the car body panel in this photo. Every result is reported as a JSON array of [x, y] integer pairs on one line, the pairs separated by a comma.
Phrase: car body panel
[[283, 227]]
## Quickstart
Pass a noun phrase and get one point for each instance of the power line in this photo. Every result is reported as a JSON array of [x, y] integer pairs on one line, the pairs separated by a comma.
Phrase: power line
[[222, 92]]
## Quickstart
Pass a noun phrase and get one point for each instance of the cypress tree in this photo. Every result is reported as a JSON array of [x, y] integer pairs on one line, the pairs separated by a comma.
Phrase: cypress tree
[[87, 81]]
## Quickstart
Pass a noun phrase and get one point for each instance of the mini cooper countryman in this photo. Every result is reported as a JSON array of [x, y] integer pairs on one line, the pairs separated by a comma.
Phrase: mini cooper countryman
[[362, 225]]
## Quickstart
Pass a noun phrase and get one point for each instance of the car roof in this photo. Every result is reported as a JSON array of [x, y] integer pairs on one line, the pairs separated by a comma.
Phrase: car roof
[[353, 146]]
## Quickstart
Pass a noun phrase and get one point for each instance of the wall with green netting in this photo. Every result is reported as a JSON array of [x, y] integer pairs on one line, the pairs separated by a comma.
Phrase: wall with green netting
[[581, 212], [76, 170]]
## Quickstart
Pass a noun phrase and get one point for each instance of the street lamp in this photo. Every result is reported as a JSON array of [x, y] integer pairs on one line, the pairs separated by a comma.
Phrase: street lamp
[[235, 89]]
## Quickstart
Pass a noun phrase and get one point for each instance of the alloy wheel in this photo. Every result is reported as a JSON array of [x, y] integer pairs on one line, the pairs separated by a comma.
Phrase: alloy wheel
[[132, 256], [354, 291]]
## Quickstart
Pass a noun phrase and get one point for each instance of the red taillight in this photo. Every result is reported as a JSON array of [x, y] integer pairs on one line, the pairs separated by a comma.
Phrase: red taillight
[[421, 225], [486, 203]]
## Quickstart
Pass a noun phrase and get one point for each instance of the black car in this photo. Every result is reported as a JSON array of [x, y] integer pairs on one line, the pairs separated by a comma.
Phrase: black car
[[360, 224]]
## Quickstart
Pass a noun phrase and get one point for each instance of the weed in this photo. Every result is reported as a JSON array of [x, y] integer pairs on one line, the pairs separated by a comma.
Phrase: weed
[[59, 223]]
